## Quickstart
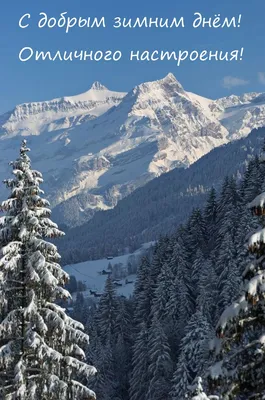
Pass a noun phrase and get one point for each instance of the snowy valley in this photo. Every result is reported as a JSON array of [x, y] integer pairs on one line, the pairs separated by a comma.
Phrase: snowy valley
[[122, 270]]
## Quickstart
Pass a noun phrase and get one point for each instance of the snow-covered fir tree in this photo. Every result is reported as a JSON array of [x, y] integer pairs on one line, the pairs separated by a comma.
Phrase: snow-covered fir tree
[[104, 382], [41, 353], [207, 288], [140, 363], [160, 367], [110, 350], [197, 234], [193, 354], [143, 292], [180, 305], [161, 294], [181, 379], [228, 280], [210, 217], [123, 346], [239, 371], [107, 312]]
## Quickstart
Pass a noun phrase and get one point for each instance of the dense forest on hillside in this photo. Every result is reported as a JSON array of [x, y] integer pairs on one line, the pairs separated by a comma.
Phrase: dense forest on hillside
[[161, 335], [160, 206]]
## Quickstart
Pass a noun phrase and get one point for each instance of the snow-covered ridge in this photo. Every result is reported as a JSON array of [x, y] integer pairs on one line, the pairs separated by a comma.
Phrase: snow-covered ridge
[[33, 118], [233, 100], [240, 114], [99, 146]]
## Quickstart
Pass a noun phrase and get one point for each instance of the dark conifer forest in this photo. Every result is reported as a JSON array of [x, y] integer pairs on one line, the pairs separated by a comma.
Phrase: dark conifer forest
[[162, 335]]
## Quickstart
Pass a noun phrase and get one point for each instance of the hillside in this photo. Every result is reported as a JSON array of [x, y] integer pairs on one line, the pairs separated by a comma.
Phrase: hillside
[[160, 206]]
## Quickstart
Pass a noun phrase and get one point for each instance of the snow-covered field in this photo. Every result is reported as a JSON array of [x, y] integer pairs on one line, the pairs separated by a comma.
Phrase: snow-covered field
[[89, 272]]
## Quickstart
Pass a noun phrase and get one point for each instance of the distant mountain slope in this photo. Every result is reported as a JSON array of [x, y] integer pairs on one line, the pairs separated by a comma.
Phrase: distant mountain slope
[[98, 147], [155, 128], [39, 117], [159, 206], [164, 127]]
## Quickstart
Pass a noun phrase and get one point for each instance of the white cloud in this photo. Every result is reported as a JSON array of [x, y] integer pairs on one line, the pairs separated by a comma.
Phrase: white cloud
[[261, 76], [232, 81]]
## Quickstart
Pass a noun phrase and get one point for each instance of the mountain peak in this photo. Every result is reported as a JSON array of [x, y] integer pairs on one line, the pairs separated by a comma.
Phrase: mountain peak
[[98, 86], [169, 82], [170, 77]]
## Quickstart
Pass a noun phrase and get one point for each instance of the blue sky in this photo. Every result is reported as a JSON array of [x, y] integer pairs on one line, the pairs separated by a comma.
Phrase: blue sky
[[34, 81]]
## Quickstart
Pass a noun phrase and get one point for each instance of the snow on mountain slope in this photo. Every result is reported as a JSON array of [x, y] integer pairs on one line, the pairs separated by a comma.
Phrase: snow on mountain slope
[[156, 127], [240, 114], [97, 147], [35, 118]]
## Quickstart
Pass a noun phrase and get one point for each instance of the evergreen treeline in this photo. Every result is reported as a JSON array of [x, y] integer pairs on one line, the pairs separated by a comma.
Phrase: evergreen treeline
[[159, 206], [153, 346]]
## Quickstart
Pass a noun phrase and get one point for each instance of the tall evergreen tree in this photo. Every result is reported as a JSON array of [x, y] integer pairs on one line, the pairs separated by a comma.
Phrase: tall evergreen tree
[[123, 348], [181, 380], [250, 188], [140, 363], [143, 293], [195, 344], [78, 307], [228, 272], [226, 266], [161, 295], [180, 305], [104, 383], [193, 354], [107, 312], [41, 352], [122, 364], [208, 293], [197, 271], [160, 368], [210, 217], [197, 233], [161, 254], [252, 182], [229, 195]]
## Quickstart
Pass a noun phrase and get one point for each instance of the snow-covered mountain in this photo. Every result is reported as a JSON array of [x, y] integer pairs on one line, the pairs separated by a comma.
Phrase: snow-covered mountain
[[240, 114], [97, 147], [62, 113]]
